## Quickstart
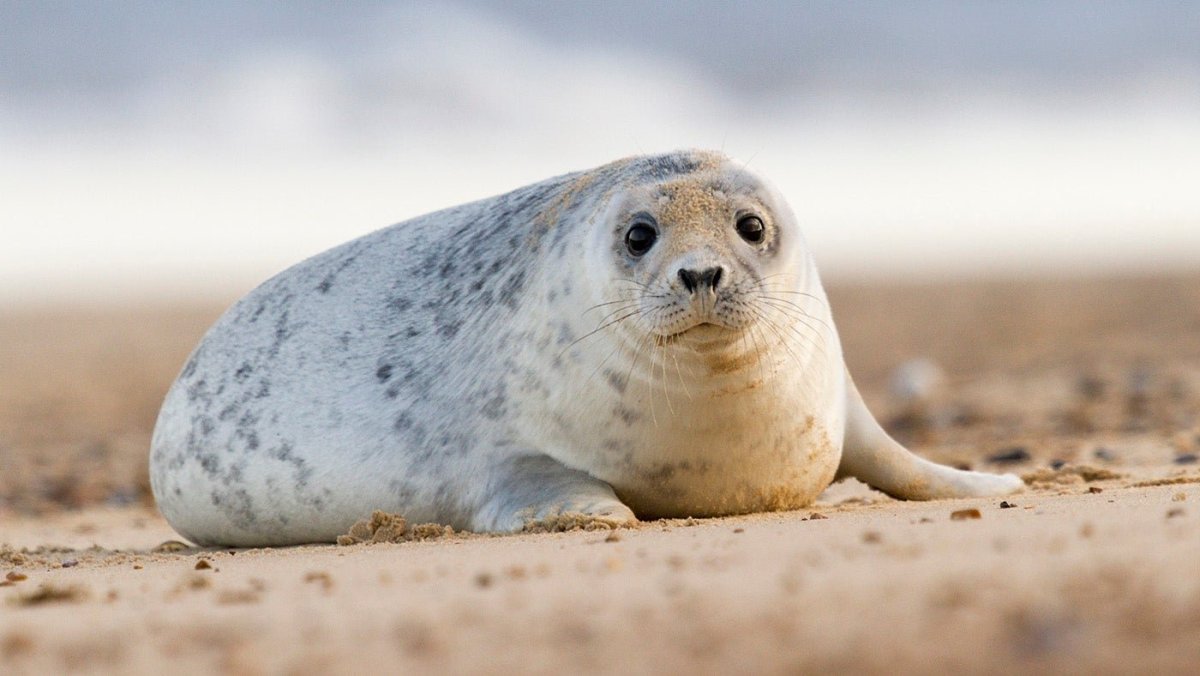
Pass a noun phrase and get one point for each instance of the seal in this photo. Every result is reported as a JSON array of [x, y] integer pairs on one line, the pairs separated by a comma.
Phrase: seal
[[646, 339]]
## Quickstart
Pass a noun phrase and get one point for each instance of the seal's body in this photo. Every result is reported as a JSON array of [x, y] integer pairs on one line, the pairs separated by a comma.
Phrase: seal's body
[[648, 338]]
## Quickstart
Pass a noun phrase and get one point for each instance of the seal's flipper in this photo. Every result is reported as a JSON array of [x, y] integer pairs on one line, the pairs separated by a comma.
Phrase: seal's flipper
[[538, 491], [873, 457]]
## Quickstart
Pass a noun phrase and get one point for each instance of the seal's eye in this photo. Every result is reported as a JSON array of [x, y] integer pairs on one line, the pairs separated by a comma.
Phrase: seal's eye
[[640, 238], [751, 229]]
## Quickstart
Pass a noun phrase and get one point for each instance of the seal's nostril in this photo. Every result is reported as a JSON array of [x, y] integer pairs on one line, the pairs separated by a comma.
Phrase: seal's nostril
[[690, 279], [713, 275]]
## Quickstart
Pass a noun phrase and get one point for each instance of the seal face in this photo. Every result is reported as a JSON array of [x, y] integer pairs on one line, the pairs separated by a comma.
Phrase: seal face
[[648, 338]]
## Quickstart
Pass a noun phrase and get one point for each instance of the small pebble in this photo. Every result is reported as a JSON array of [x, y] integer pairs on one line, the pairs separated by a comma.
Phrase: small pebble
[[871, 537], [16, 577], [1090, 387], [816, 515], [1187, 459], [613, 536], [1010, 456], [320, 577], [483, 580], [1104, 454], [964, 514], [70, 563], [203, 564], [1095, 489], [1178, 511], [1057, 464], [1005, 504]]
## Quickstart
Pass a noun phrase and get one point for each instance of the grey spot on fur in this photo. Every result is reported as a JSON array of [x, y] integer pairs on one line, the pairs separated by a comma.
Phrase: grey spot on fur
[[384, 373], [627, 416], [403, 422], [448, 328], [243, 372], [615, 381]]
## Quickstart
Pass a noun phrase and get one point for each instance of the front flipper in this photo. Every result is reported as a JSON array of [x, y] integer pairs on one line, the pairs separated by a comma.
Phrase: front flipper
[[873, 457], [535, 490]]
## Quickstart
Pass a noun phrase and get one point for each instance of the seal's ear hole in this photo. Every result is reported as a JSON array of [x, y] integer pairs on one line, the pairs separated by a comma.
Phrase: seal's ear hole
[[751, 229], [639, 238]]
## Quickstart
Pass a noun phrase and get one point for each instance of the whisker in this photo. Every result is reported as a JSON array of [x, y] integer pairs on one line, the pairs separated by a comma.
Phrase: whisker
[[598, 329]]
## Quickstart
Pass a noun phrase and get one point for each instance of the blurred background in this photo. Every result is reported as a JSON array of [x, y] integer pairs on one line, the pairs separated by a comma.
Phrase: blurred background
[[165, 150]]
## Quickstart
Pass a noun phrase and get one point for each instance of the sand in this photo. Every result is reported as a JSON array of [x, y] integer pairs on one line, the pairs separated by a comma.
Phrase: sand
[[1089, 389]]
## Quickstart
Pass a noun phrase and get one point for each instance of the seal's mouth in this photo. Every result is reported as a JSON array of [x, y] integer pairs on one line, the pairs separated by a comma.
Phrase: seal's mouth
[[699, 333]]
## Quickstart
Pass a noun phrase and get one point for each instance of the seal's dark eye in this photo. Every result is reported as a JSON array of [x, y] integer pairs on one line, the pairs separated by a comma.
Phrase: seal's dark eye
[[640, 238], [751, 229]]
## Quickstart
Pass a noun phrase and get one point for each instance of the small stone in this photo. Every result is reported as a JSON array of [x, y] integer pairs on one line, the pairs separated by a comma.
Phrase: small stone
[[1005, 504], [1187, 459], [483, 580], [1178, 511], [321, 578], [1104, 454], [965, 514], [613, 536], [1090, 387], [203, 564], [1010, 456], [816, 515], [1095, 489], [16, 577], [872, 538], [739, 530], [70, 563], [1058, 464]]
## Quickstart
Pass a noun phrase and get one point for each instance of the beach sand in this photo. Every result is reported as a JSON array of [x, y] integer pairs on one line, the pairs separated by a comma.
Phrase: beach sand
[[1089, 388]]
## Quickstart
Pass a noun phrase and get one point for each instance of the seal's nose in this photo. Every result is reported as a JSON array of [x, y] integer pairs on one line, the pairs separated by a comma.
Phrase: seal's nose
[[700, 279]]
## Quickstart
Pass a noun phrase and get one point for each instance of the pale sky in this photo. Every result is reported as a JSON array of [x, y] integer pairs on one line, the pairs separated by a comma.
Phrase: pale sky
[[150, 149]]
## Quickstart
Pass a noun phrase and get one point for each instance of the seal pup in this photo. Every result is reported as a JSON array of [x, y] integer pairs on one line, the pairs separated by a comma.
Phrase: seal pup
[[646, 339]]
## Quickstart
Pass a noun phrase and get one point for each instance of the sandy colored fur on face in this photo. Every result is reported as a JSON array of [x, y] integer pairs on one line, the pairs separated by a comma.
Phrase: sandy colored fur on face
[[692, 203]]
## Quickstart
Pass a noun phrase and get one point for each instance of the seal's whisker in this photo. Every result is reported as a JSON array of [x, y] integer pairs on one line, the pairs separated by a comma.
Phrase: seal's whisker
[[662, 350], [649, 381], [679, 373], [803, 310], [763, 286], [815, 339], [796, 312], [624, 305], [627, 301], [598, 329], [773, 325], [758, 354]]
